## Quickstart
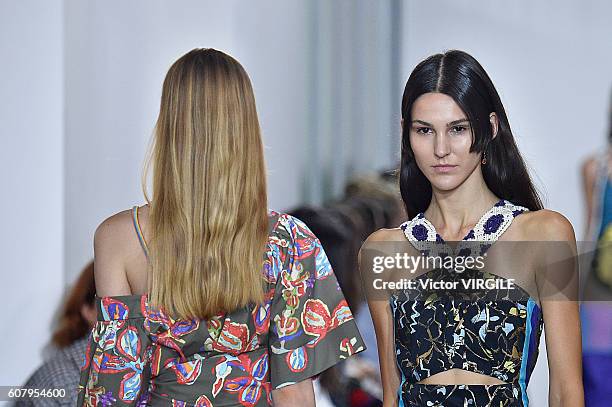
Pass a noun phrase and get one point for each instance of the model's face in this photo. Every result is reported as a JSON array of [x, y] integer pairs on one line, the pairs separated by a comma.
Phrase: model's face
[[440, 136]]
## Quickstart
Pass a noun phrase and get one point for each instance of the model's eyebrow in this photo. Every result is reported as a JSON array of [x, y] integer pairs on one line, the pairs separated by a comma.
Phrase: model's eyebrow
[[453, 123], [456, 122]]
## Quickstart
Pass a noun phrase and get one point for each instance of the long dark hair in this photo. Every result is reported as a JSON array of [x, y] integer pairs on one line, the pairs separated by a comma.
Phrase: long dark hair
[[458, 75]]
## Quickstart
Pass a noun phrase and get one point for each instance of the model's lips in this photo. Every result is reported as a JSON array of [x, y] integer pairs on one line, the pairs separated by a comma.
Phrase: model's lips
[[443, 167]]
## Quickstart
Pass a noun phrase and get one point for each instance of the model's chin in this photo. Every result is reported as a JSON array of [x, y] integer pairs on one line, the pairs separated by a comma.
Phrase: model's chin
[[444, 182]]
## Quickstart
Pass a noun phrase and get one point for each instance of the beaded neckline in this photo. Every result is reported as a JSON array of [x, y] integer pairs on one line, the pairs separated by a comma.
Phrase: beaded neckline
[[471, 233], [424, 237]]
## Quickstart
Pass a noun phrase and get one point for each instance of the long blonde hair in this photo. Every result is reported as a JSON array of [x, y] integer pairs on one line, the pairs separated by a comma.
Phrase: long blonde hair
[[208, 219]]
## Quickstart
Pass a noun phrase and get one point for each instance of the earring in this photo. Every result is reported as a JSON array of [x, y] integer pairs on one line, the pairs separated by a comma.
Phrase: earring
[[484, 157]]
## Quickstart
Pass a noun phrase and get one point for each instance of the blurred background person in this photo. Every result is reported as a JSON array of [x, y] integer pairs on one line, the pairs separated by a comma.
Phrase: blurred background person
[[369, 202], [62, 370], [596, 307]]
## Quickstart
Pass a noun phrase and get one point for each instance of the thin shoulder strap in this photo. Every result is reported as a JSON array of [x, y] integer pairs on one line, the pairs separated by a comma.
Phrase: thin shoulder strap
[[141, 238]]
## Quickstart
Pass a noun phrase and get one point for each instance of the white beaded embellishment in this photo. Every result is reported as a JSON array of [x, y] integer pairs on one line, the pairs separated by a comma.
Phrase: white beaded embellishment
[[424, 237]]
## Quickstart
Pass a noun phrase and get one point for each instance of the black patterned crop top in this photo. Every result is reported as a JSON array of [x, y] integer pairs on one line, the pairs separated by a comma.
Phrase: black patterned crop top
[[434, 333]]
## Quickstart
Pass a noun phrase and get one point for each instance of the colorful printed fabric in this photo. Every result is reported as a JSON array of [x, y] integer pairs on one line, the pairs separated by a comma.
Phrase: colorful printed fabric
[[494, 336], [141, 356]]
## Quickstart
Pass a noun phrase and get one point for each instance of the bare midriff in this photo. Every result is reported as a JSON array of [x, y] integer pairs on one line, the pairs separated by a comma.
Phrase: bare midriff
[[460, 376]]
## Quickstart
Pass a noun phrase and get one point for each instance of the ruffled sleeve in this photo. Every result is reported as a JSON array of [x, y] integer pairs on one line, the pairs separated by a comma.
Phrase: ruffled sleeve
[[116, 369], [311, 326]]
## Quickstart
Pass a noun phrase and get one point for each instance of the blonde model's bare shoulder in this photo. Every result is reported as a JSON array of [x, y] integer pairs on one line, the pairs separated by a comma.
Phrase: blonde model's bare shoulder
[[114, 228], [114, 245]]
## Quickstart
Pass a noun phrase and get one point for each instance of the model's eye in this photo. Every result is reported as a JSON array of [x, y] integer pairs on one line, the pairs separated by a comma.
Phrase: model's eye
[[423, 130], [458, 129]]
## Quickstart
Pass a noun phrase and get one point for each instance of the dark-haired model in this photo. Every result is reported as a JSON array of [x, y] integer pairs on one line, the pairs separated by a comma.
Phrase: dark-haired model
[[462, 178]]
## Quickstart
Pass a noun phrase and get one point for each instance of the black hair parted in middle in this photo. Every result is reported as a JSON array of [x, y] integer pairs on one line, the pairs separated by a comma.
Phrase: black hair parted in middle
[[459, 75]]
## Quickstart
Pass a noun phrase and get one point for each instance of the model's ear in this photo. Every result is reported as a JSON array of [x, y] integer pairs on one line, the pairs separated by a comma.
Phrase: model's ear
[[494, 123]]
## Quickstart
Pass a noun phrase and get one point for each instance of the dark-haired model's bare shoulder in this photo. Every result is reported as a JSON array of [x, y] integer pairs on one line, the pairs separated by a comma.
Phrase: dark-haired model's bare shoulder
[[542, 225], [386, 235]]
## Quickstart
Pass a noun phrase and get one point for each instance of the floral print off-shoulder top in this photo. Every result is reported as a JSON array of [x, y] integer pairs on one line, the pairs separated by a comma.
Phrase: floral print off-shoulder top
[[137, 355]]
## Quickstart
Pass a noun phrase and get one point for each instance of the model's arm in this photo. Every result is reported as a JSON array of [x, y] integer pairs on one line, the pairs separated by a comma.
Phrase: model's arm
[[298, 394], [112, 239], [383, 326], [109, 362], [589, 175], [560, 311], [382, 319]]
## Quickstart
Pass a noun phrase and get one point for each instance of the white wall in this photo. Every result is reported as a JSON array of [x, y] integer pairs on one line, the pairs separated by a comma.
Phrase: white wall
[[353, 111], [31, 164], [552, 65]]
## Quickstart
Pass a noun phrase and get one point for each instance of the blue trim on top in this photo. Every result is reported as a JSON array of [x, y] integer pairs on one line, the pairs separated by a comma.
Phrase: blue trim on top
[[400, 399], [399, 391], [525, 357], [138, 231]]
